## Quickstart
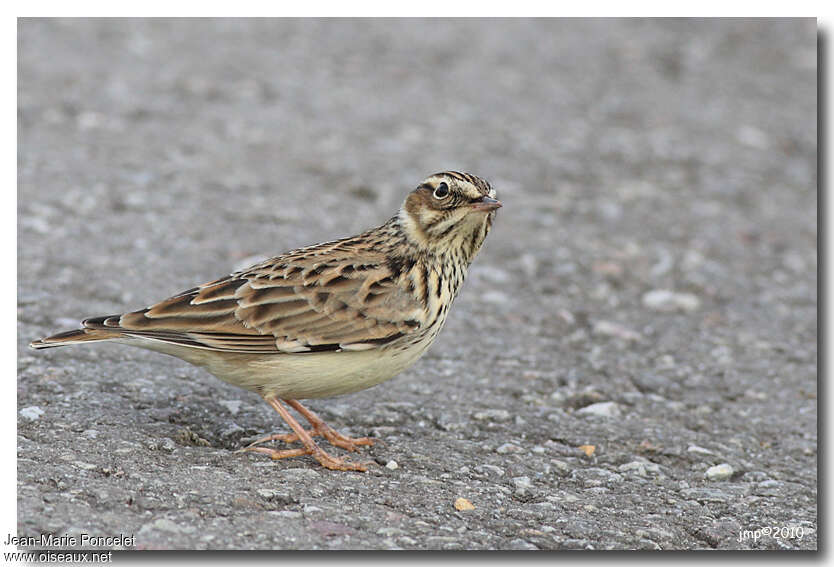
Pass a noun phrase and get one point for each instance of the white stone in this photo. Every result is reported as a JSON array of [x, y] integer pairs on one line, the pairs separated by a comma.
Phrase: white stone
[[641, 468], [719, 472], [508, 448], [611, 329], [498, 415], [601, 409], [31, 413], [667, 300], [490, 468]]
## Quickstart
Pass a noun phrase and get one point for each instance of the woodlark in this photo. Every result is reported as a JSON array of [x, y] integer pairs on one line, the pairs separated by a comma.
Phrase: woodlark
[[324, 320]]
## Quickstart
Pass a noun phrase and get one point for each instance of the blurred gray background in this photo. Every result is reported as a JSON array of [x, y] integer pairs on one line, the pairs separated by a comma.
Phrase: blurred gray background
[[631, 363]]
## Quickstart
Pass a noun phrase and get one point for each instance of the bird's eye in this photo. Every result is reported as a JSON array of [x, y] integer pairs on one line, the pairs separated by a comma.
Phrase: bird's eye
[[441, 191]]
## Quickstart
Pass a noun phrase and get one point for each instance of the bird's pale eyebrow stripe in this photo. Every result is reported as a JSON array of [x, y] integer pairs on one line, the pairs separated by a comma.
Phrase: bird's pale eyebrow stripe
[[481, 184]]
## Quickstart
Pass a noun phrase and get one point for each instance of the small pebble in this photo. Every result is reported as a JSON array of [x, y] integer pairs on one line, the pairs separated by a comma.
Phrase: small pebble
[[523, 486], [641, 468], [601, 409], [719, 472], [508, 448], [597, 477], [667, 300], [462, 504], [392, 464], [32, 413], [497, 415], [498, 471], [611, 329], [167, 445]]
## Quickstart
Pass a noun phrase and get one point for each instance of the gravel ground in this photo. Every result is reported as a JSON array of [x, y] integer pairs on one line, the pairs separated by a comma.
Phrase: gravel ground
[[631, 364]]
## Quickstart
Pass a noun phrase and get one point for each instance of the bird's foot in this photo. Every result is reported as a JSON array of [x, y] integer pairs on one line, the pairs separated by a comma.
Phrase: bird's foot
[[319, 427], [333, 437], [306, 438], [342, 441], [283, 437], [324, 458], [337, 463]]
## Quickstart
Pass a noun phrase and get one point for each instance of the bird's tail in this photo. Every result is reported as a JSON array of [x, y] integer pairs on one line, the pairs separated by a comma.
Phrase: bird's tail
[[74, 337]]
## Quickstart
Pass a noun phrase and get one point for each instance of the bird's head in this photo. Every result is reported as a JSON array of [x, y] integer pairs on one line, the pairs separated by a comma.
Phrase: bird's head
[[449, 212]]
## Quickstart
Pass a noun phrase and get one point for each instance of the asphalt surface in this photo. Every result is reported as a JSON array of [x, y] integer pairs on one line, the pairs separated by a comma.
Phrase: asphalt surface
[[632, 362]]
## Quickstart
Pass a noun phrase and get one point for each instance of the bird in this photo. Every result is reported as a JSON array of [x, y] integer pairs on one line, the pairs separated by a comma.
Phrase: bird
[[324, 320]]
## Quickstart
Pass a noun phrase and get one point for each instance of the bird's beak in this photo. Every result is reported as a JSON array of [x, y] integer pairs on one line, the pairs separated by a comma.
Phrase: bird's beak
[[486, 204]]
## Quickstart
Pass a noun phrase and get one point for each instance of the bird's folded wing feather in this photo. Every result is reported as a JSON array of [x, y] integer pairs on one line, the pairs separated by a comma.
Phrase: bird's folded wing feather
[[301, 302]]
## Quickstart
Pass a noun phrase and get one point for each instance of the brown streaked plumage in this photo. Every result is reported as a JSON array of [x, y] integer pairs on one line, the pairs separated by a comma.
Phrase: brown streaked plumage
[[324, 320]]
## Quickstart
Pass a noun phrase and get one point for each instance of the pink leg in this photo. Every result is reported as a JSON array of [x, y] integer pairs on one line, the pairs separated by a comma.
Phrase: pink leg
[[310, 447]]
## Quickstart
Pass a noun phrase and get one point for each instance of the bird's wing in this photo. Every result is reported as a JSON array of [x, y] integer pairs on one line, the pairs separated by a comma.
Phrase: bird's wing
[[305, 301]]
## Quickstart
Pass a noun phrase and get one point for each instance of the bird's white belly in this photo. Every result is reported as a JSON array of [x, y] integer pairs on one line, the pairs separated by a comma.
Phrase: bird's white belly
[[319, 375], [298, 376]]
